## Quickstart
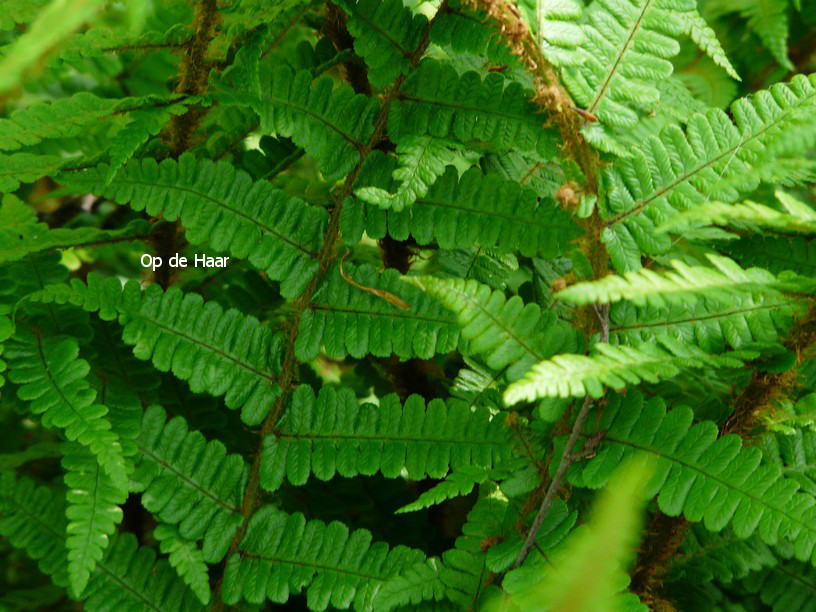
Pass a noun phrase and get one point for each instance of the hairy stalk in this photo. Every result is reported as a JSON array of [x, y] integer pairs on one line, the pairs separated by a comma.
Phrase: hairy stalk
[[325, 259], [192, 81]]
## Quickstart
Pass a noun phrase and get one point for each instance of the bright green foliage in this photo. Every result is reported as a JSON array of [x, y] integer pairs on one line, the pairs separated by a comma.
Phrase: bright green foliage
[[424, 160], [506, 332], [474, 256], [676, 172], [286, 553], [333, 434], [93, 511], [189, 482], [567, 375], [52, 380], [686, 284], [234, 357], [223, 208]]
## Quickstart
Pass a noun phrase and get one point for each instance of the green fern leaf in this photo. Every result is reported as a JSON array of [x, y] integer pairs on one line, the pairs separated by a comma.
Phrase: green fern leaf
[[460, 212], [347, 320], [685, 284], [422, 160], [569, 375], [93, 512], [222, 207], [676, 172], [482, 114], [26, 168], [331, 124], [236, 356], [386, 35], [562, 37], [52, 379], [186, 558], [706, 39], [32, 518], [188, 482], [334, 434], [460, 481], [784, 587], [710, 324], [19, 13], [285, 554], [506, 332], [701, 475]]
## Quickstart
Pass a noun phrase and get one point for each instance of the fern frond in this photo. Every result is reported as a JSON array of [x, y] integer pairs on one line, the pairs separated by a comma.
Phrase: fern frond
[[569, 375], [21, 233], [349, 321], [422, 160], [676, 172], [334, 434], [222, 207], [506, 332], [701, 475], [330, 124], [769, 20], [190, 483], [32, 518], [787, 586], [282, 554], [186, 557], [52, 380], [710, 324], [21, 168], [482, 114], [386, 35], [459, 482], [560, 32], [706, 39], [219, 352], [477, 208], [93, 512], [683, 285], [720, 556], [624, 52], [798, 218]]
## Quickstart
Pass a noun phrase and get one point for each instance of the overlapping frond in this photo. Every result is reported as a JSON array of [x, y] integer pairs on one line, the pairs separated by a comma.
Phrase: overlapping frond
[[346, 320], [189, 482], [678, 171], [333, 434], [506, 332], [386, 34], [705, 477], [222, 207], [573, 375], [93, 511], [476, 208], [686, 284], [286, 554], [52, 380], [481, 113], [186, 557], [331, 123], [221, 352]]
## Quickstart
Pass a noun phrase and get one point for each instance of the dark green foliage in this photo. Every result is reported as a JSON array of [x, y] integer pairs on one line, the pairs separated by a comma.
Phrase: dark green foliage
[[471, 288]]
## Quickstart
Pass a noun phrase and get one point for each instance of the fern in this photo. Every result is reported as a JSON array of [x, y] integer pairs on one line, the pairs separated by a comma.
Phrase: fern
[[187, 559], [386, 36], [334, 435], [51, 378], [282, 237], [506, 332], [475, 208], [347, 320], [337, 567], [482, 113], [189, 482], [578, 375], [676, 172]]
